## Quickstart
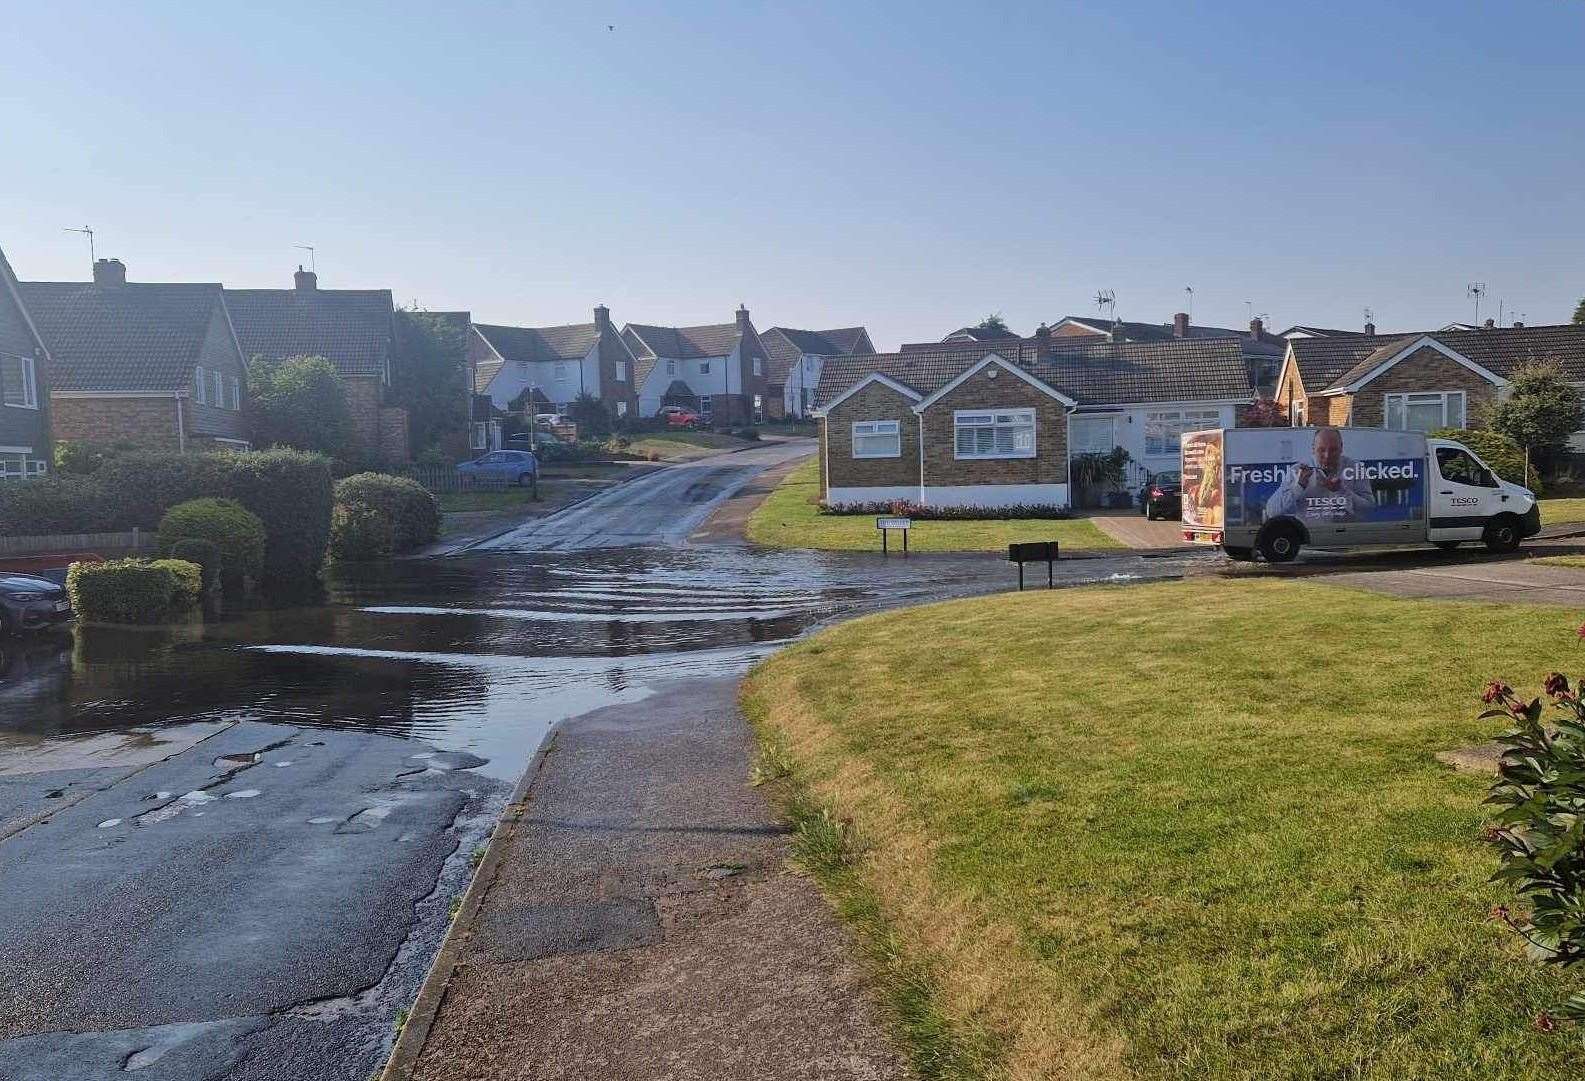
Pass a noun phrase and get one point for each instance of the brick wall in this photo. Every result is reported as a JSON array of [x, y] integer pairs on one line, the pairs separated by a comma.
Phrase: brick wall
[[1423, 370], [363, 402], [395, 444], [612, 352], [1291, 389], [875, 402], [148, 423], [1072, 331], [1006, 391]]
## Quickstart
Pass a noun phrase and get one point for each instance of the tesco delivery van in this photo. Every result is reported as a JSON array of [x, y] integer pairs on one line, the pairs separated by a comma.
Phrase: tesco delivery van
[[1273, 490]]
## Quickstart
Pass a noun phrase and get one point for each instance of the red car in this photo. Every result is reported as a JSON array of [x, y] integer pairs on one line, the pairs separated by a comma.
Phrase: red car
[[677, 416]]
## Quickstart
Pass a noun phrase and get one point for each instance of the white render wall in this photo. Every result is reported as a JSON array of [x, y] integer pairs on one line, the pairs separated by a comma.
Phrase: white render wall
[[514, 378], [1128, 428], [806, 373], [654, 388]]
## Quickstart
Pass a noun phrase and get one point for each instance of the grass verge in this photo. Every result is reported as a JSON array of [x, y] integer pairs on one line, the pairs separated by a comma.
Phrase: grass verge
[[1562, 511], [1181, 830], [486, 499], [790, 518], [682, 445]]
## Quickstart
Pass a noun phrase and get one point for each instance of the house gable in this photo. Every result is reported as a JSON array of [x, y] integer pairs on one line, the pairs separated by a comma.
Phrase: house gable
[[985, 387], [1365, 373], [1422, 370], [874, 377], [877, 398], [996, 362]]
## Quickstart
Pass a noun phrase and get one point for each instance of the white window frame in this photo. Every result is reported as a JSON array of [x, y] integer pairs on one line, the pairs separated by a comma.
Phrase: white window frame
[[1077, 419], [759, 409], [704, 367], [200, 385], [995, 421], [671, 367], [759, 366], [30, 390], [479, 435], [1296, 412], [621, 371], [706, 406], [559, 371], [621, 408], [1185, 420], [877, 430], [1443, 399], [220, 390]]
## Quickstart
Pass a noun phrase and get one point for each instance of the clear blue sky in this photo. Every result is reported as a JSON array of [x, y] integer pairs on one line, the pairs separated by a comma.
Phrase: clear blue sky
[[910, 167]]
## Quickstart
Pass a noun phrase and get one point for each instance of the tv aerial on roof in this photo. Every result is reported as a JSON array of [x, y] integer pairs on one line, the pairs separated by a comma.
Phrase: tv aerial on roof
[[1107, 299], [309, 248], [87, 232], [1476, 290]]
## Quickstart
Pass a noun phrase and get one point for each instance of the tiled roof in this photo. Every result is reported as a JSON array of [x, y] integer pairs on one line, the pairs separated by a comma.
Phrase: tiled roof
[[1268, 344], [352, 328], [1322, 360], [982, 334], [1092, 372], [1499, 350], [11, 289], [134, 337], [651, 343], [784, 345]]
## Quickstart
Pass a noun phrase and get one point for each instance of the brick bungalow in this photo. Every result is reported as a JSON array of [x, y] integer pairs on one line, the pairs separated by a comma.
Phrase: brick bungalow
[[718, 369], [25, 446], [997, 424], [555, 365], [155, 366], [1417, 381], [795, 358], [354, 329]]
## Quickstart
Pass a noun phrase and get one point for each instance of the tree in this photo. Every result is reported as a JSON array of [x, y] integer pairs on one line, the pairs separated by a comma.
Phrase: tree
[[994, 321], [1263, 413], [298, 402], [430, 376], [1579, 312], [591, 417], [1541, 412]]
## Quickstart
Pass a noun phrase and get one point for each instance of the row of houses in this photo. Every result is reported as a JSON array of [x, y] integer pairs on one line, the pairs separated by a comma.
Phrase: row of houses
[[992, 419], [163, 366]]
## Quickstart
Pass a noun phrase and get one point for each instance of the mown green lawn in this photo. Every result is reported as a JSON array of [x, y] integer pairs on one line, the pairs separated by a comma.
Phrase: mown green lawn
[[1182, 830], [679, 445], [1560, 511], [483, 499], [790, 518]]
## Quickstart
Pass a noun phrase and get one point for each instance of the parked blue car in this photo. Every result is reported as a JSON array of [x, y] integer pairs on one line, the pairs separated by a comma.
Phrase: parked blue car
[[500, 467]]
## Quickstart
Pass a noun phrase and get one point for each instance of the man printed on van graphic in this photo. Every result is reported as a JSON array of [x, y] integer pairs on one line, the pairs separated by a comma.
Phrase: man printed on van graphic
[[1331, 489]]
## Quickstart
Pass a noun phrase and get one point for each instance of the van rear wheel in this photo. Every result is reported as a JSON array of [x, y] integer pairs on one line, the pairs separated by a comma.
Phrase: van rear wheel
[[1502, 534], [1280, 543]]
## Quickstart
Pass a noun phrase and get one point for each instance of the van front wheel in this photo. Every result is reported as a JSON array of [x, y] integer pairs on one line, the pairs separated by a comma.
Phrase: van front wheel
[[1502, 534], [1280, 543]]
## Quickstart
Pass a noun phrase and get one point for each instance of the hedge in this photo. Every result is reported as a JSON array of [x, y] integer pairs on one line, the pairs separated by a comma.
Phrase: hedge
[[903, 508], [360, 533], [204, 553], [413, 512], [226, 524], [289, 491], [133, 590]]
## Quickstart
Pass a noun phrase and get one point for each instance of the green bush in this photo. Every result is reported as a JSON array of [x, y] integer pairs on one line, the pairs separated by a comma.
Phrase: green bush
[[226, 524], [137, 489], [59, 504], [290, 492], [360, 533], [133, 590], [206, 554], [413, 512], [1498, 451]]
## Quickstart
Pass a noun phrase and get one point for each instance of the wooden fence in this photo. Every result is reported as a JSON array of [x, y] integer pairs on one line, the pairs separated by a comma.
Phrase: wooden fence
[[138, 540], [445, 479]]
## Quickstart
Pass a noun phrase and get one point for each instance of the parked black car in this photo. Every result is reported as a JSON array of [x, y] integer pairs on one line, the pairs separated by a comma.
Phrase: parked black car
[[28, 603], [1162, 495]]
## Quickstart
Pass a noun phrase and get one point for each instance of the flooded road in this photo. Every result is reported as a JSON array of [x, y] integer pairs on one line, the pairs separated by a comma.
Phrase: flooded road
[[228, 848]]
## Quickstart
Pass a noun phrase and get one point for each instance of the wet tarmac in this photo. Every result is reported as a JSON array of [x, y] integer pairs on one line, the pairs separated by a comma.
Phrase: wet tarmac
[[227, 847]]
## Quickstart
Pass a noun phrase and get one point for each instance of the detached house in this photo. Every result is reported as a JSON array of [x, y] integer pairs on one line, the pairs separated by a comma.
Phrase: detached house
[[795, 359], [25, 445], [156, 366], [1417, 381], [354, 329], [551, 366], [719, 370], [998, 424]]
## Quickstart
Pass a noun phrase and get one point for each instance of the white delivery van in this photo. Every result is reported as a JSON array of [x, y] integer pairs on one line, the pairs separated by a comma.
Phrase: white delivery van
[[1273, 490]]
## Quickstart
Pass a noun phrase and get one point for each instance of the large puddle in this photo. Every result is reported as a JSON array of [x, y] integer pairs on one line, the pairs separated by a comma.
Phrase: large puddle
[[482, 653]]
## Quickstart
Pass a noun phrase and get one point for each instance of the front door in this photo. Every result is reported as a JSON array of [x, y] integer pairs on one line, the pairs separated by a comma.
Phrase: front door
[[1464, 495]]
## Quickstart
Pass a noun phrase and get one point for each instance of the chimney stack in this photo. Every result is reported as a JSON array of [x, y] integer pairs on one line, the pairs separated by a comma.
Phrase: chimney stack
[[1117, 335], [1180, 325], [1042, 342], [1518, 326], [110, 272], [305, 281], [1256, 329], [602, 317], [742, 318], [1489, 324]]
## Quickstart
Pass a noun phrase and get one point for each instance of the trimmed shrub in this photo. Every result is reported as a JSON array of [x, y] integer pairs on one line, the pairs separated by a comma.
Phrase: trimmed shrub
[[204, 553], [413, 512], [360, 533], [133, 590], [52, 505], [137, 490], [290, 492], [1498, 451], [225, 523]]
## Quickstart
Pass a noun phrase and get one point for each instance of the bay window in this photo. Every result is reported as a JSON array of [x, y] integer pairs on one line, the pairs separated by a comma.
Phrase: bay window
[[1164, 429], [877, 439], [1002, 433], [1423, 412]]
